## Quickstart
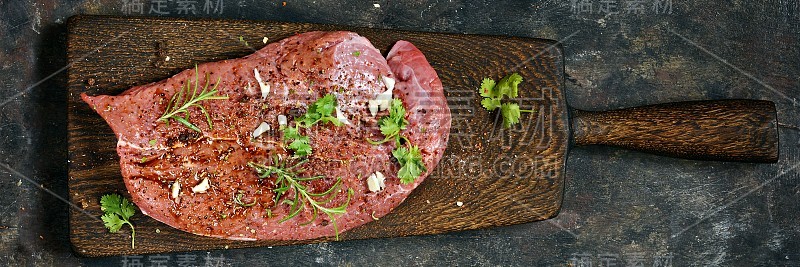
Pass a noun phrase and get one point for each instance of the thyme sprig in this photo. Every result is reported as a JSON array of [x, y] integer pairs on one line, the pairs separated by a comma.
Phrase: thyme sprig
[[187, 97], [288, 179]]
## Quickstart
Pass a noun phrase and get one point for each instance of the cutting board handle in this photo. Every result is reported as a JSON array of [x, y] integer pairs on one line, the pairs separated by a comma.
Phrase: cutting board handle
[[725, 130]]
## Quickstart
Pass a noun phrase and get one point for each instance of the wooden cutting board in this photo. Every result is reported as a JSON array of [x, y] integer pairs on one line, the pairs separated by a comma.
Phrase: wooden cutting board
[[489, 176], [500, 177]]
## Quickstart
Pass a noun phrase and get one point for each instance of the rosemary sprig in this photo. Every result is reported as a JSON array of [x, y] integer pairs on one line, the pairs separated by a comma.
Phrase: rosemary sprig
[[287, 179], [188, 97]]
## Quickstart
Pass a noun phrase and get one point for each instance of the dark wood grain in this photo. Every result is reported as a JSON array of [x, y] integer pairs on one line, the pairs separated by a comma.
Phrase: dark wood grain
[[726, 130], [502, 177]]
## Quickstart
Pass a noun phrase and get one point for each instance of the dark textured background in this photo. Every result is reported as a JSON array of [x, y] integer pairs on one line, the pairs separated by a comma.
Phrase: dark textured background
[[620, 207]]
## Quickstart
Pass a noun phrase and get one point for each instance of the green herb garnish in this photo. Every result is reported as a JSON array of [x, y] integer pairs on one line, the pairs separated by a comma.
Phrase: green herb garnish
[[493, 93], [320, 111], [288, 179], [188, 97], [297, 142], [411, 165], [392, 124], [118, 211], [238, 200], [410, 159], [510, 113], [357, 53]]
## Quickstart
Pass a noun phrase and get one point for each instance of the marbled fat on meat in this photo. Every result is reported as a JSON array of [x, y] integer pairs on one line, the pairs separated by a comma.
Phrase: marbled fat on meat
[[156, 157]]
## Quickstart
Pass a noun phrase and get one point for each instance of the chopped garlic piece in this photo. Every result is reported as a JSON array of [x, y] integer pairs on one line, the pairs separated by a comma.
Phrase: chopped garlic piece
[[202, 187], [384, 100], [265, 40], [341, 117], [459, 203], [264, 86], [389, 82], [375, 182], [282, 120], [373, 107], [381, 102], [262, 128], [176, 189]]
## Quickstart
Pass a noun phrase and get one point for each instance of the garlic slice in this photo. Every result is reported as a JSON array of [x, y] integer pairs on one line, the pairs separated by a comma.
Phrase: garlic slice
[[282, 120], [176, 189], [341, 117], [381, 102], [373, 107], [375, 182], [264, 86], [202, 187], [262, 128], [389, 82]]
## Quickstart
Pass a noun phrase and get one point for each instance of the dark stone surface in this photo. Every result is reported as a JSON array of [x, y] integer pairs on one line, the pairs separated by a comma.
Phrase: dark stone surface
[[619, 206]]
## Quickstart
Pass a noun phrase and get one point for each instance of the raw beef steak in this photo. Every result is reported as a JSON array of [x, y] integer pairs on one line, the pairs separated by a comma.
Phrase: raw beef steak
[[202, 181]]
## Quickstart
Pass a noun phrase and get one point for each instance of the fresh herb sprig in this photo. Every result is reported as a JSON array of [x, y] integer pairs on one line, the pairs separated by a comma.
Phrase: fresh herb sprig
[[118, 211], [189, 96], [392, 124], [493, 92], [297, 142], [410, 158], [320, 111], [288, 179], [411, 165]]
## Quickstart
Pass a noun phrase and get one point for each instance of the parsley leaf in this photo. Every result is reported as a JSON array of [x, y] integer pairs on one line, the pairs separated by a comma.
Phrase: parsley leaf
[[112, 222], [392, 124], [396, 121], [490, 103], [410, 159], [299, 143], [411, 165], [320, 111], [118, 211], [487, 88], [510, 112], [493, 93], [508, 85]]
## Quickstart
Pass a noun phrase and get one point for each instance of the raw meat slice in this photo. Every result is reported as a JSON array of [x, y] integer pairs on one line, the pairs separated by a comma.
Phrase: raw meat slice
[[166, 167]]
